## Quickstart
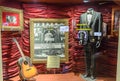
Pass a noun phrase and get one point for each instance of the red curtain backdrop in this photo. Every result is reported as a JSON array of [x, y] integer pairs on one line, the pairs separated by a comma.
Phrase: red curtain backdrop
[[76, 63]]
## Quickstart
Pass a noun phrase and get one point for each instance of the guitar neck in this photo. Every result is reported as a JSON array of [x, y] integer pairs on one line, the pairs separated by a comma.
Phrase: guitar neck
[[21, 52]]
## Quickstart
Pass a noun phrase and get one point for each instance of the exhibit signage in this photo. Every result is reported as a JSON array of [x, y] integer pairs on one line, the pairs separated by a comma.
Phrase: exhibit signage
[[53, 61]]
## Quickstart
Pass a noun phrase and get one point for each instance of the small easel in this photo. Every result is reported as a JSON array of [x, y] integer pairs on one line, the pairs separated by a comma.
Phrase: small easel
[[53, 62]]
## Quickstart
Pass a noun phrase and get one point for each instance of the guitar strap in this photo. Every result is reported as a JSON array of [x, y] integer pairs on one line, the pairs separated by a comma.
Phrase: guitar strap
[[1, 70]]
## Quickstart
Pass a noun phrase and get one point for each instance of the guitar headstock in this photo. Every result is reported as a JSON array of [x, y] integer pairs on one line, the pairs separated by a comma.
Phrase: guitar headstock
[[14, 39]]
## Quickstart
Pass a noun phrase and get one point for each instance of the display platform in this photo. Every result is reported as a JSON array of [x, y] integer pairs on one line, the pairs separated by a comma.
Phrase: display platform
[[63, 77]]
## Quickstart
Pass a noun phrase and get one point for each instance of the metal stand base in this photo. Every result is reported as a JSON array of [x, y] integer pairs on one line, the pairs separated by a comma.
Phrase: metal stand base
[[87, 78], [31, 79]]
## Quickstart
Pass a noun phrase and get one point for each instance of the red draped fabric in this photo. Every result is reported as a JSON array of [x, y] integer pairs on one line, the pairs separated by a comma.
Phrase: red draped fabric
[[11, 54], [53, 11]]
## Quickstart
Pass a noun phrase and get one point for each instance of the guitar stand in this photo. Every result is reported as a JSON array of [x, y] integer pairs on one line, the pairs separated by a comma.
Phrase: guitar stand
[[31, 79]]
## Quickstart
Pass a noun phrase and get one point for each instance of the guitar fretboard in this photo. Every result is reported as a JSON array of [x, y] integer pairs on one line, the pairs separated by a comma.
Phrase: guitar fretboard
[[21, 52]]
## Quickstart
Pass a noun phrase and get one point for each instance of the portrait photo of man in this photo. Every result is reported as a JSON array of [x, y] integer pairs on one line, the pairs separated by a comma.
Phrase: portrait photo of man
[[11, 19]]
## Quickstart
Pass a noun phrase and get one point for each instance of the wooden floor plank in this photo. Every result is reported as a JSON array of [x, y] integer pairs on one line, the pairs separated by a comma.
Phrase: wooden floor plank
[[63, 77]]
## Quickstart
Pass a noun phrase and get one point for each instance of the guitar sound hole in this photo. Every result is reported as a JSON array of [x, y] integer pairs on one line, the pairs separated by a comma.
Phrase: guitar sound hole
[[25, 62]]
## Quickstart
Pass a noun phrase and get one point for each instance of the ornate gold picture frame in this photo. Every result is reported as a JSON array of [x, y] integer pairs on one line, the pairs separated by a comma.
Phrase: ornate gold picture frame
[[115, 20], [11, 19], [48, 37]]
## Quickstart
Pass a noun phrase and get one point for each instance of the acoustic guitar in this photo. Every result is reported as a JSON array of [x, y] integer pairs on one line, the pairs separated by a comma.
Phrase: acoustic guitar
[[27, 69]]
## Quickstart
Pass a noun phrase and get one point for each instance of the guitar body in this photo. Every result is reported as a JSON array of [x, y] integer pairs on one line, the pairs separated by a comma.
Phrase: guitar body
[[27, 70]]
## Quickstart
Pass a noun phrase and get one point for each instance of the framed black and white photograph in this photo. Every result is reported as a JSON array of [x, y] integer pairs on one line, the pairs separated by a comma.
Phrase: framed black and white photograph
[[48, 37]]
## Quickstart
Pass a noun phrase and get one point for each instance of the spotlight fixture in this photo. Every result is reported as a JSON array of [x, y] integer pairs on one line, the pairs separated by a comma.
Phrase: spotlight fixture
[[85, 1]]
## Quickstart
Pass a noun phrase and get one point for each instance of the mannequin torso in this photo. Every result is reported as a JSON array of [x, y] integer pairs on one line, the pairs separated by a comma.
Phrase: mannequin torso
[[89, 15]]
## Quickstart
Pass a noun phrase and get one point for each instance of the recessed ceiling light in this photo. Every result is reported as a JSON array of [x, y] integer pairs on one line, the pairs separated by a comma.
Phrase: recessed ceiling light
[[85, 1]]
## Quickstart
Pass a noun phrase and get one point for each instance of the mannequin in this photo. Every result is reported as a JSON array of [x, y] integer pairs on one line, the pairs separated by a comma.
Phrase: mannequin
[[93, 20]]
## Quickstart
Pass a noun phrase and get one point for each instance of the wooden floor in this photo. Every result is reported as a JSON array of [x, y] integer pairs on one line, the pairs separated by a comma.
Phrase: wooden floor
[[63, 77]]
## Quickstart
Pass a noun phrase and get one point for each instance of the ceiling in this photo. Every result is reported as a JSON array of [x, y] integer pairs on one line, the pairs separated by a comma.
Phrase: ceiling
[[65, 1], [60, 1], [53, 1]]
